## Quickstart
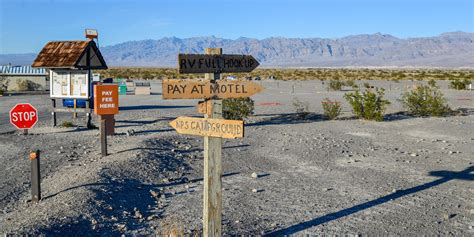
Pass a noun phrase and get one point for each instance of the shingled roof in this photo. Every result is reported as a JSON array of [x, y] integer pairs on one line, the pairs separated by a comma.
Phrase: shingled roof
[[70, 54]]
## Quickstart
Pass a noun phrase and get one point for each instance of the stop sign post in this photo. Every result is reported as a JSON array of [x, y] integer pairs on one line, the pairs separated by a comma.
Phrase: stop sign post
[[24, 116]]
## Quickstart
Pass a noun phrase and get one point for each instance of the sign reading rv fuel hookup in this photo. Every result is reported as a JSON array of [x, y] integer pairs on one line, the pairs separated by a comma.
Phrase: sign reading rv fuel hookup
[[209, 127], [197, 89], [206, 63]]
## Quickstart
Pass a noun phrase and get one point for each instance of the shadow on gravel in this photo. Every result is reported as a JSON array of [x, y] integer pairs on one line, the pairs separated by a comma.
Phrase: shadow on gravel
[[444, 175], [116, 205], [396, 116], [134, 123], [201, 149], [177, 150], [154, 131], [145, 107], [290, 118]]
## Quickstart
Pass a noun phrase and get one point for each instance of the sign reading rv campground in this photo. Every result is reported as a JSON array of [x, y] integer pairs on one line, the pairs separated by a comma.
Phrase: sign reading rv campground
[[206, 63], [106, 100], [198, 89], [209, 127]]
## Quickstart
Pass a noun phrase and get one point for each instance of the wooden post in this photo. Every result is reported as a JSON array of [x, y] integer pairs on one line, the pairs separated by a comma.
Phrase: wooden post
[[35, 176], [103, 136], [212, 213], [74, 115]]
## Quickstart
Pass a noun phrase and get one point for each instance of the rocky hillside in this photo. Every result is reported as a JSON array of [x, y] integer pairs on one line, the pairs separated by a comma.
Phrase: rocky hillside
[[450, 50]]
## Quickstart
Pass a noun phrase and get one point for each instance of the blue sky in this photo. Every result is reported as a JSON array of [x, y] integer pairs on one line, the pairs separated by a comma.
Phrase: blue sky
[[26, 25]]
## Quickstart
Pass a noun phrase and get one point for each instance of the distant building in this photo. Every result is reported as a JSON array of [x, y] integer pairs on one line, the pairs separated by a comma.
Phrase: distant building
[[36, 78]]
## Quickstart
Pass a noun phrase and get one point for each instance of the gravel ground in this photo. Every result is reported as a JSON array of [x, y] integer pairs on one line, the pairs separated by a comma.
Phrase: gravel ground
[[405, 176]]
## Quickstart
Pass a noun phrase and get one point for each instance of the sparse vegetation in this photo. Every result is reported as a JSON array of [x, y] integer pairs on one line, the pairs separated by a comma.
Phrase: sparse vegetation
[[301, 108], [335, 85], [300, 74], [432, 83], [67, 124], [368, 105], [27, 85], [237, 108], [460, 84], [332, 109], [351, 83], [3, 84], [425, 101]]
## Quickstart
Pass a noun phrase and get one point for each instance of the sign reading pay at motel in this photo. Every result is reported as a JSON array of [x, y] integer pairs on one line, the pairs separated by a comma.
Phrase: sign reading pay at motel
[[106, 99]]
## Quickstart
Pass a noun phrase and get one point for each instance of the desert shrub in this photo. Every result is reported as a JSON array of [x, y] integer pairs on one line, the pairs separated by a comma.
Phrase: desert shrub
[[301, 108], [425, 101], [332, 109], [27, 85], [432, 83], [237, 108], [459, 84], [3, 84], [67, 124], [368, 105], [350, 83], [335, 85]]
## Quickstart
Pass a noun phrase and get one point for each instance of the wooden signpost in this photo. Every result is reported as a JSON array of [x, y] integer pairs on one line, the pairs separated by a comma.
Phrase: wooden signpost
[[216, 63], [198, 89], [106, 104], [212, 126]]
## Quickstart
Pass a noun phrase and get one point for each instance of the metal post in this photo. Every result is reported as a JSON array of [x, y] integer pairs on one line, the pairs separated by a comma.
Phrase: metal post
[[35, 176], [89, 118], [212, 213], [53, 102], [25, 131], [103, 136]]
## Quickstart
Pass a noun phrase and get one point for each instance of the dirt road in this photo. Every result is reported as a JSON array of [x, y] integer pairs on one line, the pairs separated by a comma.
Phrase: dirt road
[[404, 176]]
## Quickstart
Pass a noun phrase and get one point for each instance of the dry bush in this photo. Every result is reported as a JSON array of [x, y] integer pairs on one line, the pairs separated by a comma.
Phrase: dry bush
[[237, 108], [27, 85], [301, 108], [425, 101], [332, 109], [368, 105]]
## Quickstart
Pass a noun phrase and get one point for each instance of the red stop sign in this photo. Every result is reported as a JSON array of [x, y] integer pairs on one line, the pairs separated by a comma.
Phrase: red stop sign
[[23, 116]]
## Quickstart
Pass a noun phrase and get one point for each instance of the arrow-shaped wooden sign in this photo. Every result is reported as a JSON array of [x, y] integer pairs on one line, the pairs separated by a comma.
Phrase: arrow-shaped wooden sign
[[206, 63], [198, 89], [209, 127]]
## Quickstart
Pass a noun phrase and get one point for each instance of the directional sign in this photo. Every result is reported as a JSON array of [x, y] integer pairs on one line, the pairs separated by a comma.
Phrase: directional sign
[[197, 89], [23, 116], [209, 127], [206, 63]]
